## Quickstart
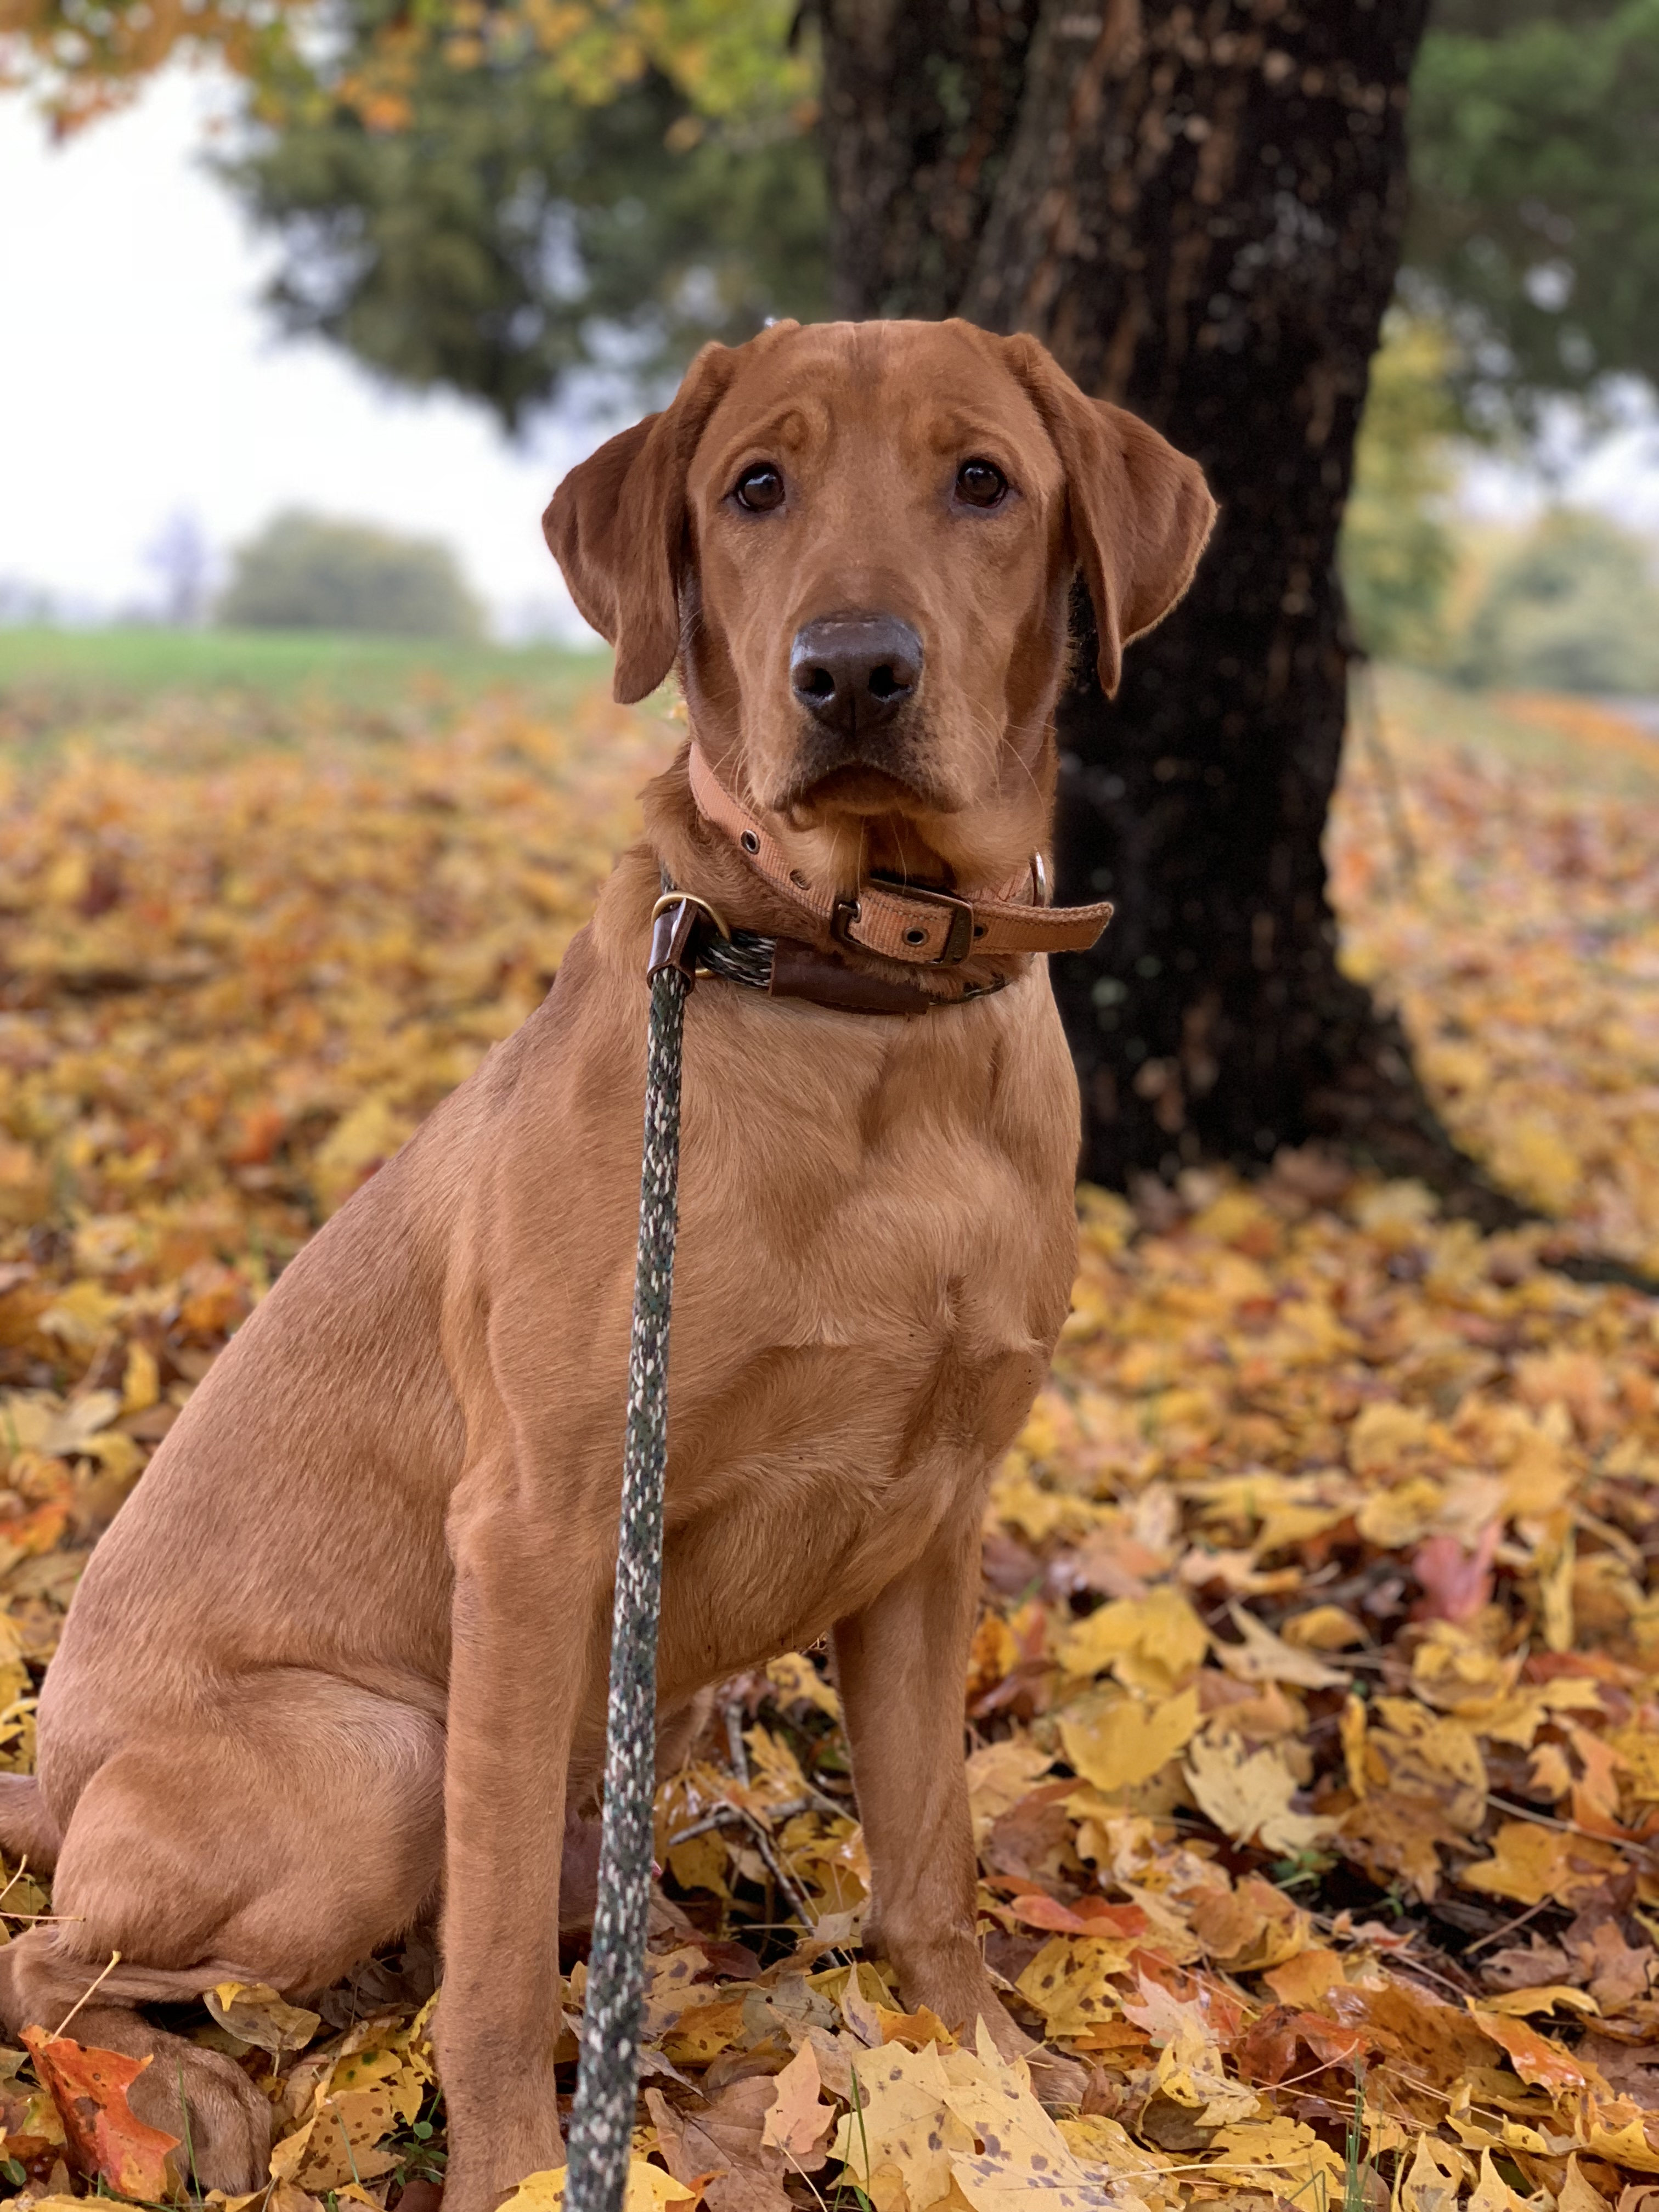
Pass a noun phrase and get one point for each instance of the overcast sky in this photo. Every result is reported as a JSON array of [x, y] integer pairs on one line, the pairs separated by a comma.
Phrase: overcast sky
[[139, 381]]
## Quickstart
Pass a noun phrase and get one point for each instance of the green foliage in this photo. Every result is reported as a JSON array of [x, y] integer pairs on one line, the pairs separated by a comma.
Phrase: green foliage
[[1398, 556], [303, 572], [514, 230], [1536, 189], [495, 200], [1575, 609]]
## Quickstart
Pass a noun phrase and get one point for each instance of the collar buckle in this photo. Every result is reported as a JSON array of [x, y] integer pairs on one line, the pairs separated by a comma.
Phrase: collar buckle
[[959, 939]]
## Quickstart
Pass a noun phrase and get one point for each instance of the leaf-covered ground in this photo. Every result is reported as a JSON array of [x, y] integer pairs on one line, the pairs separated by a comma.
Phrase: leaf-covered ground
[[1311, 1716]]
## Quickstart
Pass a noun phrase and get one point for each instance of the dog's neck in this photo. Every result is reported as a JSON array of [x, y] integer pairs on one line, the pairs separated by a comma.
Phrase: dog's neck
[[701, 857], [927, 943]]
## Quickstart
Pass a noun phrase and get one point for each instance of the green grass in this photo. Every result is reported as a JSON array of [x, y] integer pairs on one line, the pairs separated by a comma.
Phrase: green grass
[[138, 663], [194, 698]]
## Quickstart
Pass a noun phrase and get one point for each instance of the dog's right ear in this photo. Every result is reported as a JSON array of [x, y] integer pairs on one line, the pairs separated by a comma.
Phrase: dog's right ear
[[616, 526]]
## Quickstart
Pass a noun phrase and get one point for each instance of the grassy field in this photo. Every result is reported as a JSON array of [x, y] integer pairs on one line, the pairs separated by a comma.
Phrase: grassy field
[[219, 690], [138, 663]]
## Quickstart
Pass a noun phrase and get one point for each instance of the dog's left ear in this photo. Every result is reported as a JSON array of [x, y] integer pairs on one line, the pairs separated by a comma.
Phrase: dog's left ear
[[1140, 512], [616, 526]]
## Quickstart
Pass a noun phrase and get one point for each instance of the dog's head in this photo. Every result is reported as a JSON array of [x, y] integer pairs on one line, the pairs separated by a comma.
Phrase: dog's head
[[858, 540]]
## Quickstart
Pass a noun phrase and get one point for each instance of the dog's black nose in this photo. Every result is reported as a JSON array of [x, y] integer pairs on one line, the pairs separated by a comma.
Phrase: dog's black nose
[[854, 671]]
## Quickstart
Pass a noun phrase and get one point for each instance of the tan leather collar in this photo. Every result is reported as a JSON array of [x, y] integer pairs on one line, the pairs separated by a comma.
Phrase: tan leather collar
[[901, 921]]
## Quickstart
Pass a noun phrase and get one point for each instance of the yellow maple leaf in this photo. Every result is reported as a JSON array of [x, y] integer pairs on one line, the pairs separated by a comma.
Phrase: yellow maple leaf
[[1262, 1656], [1530, 1863], [254, 2013], [1017, 2155], [1492, 2192], [1323, 1628], [1151, 1643], [795, 1679], [1189, 2068], [1115, 1741], [1067, 1981], [649, 2189], [899, 2119], [1435, 2177], [1542, 1999], [1248, 1794], [1281, 2156]]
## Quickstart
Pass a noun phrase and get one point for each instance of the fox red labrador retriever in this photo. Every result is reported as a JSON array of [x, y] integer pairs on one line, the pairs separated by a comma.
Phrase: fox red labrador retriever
[[340, 1663]]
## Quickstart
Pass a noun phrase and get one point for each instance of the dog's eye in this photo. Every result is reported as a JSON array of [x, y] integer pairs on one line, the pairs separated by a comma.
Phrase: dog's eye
[[759, 489], [980, 483]]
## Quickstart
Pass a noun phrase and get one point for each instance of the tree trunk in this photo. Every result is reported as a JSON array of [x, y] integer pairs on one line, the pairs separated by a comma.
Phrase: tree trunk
[[1198, 208]]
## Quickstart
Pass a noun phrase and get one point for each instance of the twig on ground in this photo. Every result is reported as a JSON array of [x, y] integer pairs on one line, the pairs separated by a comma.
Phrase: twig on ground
[[96, 1983]]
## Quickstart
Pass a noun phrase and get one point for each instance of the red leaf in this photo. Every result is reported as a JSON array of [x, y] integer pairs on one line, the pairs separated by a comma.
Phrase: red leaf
[[1456, 1583], [1269, 2052], [1089, 1916], [107, 2138]]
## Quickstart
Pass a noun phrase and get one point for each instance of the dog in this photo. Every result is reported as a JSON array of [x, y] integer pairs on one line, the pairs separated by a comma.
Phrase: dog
[[340, 1666]]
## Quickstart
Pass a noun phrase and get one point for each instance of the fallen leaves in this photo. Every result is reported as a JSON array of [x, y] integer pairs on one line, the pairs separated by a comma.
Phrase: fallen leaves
[[798, 2121], [648, 2189], [928, 2124], [253, 2013], [1315, 1700], [1521, 952]]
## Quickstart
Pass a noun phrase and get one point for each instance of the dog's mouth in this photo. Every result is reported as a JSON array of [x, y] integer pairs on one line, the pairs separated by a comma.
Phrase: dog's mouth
[[814, 792]]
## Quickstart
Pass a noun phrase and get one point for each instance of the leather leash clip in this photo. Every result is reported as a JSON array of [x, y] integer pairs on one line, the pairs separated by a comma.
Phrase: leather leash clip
[[676, 920]]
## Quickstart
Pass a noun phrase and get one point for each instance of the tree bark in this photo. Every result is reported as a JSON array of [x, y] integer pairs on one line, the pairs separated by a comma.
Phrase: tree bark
[[1198, 207]]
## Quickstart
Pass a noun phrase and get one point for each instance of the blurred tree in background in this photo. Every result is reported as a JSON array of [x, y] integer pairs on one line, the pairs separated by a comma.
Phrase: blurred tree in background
[[494, 221], [1573, 607], [1534, 155], [305, 572], [1535, 228], [1398, 551], [615, 183]]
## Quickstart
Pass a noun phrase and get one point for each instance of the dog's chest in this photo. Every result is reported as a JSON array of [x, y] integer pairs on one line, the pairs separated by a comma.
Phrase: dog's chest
[[905, 1197], [873, 1263]]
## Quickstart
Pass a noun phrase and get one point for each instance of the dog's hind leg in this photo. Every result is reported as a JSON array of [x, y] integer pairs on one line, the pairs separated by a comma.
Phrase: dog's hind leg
[[579, 1877], [201, 2096], [278, 1836]]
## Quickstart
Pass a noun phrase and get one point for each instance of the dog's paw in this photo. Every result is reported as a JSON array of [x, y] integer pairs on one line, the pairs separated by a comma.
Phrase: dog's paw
[[224, 2122], [1057, 2083]]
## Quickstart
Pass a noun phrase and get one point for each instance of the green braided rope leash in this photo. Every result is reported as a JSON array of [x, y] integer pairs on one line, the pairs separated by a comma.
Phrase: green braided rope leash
[[602, 2125]]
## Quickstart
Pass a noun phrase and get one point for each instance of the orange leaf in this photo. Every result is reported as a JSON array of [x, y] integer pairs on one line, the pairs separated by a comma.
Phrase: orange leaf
[[1270, 2051], [107, 2140], [1534, 2056], [1089, 1916]]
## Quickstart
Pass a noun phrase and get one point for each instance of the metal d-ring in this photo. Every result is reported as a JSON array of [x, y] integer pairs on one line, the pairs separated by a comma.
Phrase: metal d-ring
[[690, 899]]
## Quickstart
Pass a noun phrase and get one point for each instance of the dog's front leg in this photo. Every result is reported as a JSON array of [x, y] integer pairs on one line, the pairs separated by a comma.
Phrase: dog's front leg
[[526, 1602], [902, 1664]]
